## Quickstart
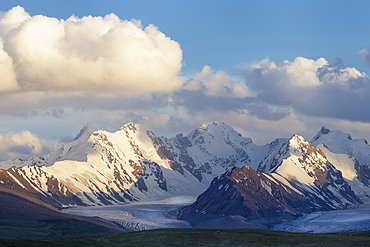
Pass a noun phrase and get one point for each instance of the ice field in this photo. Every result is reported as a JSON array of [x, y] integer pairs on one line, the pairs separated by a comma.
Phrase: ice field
[[329, 221], [164, 213], [141, 215]]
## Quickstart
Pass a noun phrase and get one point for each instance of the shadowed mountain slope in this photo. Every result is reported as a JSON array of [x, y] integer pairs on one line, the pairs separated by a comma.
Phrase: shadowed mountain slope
[[22, 217]]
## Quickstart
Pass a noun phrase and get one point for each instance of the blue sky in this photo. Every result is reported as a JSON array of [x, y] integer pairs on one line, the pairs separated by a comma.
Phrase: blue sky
[[223, 34], [267, 68]]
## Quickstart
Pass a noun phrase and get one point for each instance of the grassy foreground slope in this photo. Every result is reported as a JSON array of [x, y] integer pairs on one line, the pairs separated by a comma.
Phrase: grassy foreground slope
[[206, 237]]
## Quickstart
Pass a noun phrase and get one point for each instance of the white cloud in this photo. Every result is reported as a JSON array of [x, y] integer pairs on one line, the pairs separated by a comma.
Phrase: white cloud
[[216, 84], [23, 144], [8, 76], [88, 53], [301, 72], [12, 19], [314, 88]]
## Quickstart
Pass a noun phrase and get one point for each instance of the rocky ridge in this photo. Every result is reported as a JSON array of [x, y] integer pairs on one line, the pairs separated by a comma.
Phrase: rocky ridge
[[285, 177], [132, 164], [297, 178]]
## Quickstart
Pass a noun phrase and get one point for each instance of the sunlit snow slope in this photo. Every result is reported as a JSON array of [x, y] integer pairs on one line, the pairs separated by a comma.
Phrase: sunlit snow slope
[[132, 164]]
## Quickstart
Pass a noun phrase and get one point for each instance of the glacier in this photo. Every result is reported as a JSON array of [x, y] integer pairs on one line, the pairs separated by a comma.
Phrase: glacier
[[164, 214], [141, 215], [349, 220]]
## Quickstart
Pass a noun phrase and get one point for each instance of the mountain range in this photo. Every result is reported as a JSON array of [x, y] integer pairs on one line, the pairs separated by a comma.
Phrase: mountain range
[[238, 182]]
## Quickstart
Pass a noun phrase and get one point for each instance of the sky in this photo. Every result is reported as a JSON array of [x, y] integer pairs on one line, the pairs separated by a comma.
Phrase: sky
[[268, 69]]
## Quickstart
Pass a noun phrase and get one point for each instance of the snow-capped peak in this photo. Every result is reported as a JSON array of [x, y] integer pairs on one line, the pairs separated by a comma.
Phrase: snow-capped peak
[[215, 129], [326, 134], [130, 126], [297, 149], [322, 132], [204, 128], [136, 164], [86, 131], [341, 143], [298, 142]]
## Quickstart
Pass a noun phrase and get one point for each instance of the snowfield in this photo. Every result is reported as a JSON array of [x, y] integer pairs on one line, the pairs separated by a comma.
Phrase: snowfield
[[141, 215]]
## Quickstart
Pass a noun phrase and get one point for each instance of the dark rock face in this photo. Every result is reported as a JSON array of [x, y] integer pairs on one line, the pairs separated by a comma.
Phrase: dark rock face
[[153, 169], [323, 131], [244, 192], [180, 160], [363, 172], [366, 170]]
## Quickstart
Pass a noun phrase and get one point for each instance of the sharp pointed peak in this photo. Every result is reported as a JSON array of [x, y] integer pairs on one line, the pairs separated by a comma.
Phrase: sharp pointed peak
[[129, 125], [324, 130], [211, 124], [134, 127], [212, 128], [86, 131], [298, 137], [297, 140], [331, 134]]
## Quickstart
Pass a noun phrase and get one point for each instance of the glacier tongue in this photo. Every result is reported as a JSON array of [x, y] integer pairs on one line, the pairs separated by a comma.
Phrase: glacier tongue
[[329, 222], [141, 215]]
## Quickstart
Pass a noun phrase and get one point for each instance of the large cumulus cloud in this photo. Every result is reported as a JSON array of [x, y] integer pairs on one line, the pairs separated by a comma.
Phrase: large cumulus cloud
[[89, 53], [216, 84], [313, 88]]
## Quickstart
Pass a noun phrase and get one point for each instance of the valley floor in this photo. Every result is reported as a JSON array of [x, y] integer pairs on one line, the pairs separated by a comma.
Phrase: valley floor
[[141, 215], [330, 221], [164, 214]]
